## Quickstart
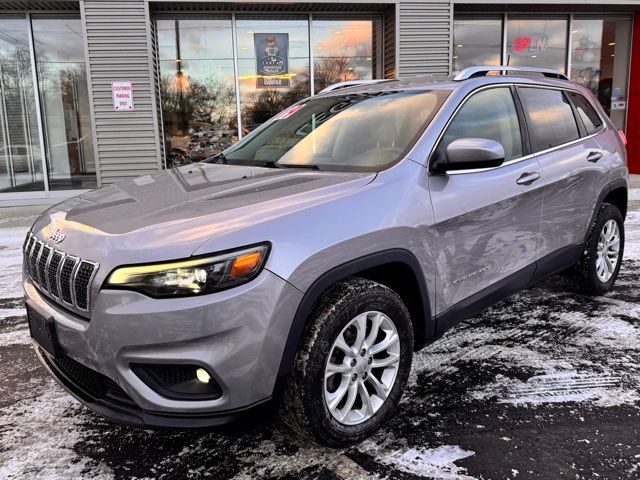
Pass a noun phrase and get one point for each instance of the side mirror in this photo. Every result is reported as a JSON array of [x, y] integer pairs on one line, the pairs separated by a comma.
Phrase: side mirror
[[471, 153]]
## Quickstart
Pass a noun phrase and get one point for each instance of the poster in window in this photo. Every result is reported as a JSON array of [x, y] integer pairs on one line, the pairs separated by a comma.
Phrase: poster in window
[[272, 60]]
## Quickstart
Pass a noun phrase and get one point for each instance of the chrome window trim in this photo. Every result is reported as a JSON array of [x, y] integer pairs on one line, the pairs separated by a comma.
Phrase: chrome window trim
[[519, 159]]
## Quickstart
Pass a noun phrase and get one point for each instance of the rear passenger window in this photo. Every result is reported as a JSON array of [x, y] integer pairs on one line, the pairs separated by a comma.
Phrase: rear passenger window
[[487, 114], [550, 117], [588, 115]]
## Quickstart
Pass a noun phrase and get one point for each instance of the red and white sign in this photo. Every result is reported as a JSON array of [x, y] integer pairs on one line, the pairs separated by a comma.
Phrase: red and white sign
[[122, 94]]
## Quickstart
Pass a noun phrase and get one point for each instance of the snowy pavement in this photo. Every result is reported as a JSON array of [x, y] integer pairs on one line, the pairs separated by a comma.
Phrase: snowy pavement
[[543, 385]]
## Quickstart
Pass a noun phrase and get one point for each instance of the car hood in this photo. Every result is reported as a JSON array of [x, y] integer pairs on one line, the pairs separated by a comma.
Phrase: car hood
[[170, 214]]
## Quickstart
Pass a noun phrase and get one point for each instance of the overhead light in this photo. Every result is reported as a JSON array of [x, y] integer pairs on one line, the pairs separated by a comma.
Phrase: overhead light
[[178, 60], [319, 47], [455, 56], [534, 56], [337, 32], [244, 48], [612, 55], [249, 32], [612, 44], [368, 59], [460, 46]]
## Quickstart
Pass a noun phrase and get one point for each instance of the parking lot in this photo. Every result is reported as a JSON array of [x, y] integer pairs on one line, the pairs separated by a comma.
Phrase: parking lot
[[543, 385]]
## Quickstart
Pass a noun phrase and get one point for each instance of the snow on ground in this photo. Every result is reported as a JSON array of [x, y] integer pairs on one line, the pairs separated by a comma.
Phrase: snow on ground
[[545, 384]]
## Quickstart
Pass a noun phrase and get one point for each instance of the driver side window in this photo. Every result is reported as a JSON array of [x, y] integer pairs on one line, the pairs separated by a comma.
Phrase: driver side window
[[487, 114]]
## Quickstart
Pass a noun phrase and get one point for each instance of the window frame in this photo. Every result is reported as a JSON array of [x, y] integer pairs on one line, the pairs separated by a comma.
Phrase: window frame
[[579, 118], [524, 133], [532, 152]]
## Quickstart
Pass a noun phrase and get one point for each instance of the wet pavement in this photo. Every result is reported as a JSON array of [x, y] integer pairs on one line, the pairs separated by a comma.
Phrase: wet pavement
[[543, 385]]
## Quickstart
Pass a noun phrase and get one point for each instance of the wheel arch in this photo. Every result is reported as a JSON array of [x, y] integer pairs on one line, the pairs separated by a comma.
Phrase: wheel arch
[[615, 193], [398, 269]]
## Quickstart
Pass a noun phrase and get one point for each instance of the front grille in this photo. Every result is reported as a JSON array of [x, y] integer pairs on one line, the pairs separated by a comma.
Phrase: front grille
[[64, 277]]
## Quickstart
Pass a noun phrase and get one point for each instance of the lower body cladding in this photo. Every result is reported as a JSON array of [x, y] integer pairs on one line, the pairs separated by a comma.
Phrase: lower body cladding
[[183, 362]]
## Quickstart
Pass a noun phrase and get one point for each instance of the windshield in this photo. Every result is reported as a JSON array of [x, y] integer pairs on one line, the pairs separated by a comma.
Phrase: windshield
[[350, 132]]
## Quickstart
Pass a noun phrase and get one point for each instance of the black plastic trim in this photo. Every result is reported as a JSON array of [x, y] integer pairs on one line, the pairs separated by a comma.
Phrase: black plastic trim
[[346, 270], [127, 414], [213, 392], [616, 184]]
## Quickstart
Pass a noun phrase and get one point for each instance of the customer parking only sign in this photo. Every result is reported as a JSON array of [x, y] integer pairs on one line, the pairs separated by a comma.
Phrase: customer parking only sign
[[272, 60], [122, 93]]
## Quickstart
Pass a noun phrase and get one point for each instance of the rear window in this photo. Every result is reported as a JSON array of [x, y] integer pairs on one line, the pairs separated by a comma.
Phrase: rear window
[[550, 117], [348, 132], [590, 118]]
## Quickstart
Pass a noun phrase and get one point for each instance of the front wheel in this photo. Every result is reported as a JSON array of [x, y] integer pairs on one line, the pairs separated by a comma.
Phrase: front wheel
[[352, 366], [600, 264]]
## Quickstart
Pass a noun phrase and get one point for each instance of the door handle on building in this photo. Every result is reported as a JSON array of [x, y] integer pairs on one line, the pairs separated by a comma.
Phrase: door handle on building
[[528, 178], [594, 156]]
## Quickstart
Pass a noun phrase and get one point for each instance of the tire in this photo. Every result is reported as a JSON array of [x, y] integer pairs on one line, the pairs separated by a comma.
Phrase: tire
[[586, 273], [305, 406]]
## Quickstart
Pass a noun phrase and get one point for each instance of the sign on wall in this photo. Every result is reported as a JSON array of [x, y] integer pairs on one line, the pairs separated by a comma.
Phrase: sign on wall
[[272, 60], [122, 94], [527, 45]]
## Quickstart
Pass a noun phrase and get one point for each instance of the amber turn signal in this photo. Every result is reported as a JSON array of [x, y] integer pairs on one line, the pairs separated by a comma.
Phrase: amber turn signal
[[245, 264]]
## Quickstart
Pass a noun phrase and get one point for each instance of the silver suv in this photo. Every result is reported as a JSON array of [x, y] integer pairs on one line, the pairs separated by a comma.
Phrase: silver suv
[[301, 268]]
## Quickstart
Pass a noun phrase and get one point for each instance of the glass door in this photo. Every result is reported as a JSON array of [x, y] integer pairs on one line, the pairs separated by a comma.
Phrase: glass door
[[20, 155], [600, 61]]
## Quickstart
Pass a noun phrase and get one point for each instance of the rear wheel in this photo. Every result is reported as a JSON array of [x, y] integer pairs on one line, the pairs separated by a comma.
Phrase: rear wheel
[[597, 270], [353, 365]]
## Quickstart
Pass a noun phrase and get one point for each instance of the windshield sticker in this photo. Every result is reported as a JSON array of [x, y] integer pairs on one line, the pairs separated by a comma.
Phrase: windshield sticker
[[288, 112]]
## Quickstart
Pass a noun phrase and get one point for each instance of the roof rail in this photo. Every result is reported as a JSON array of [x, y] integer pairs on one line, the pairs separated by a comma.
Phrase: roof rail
[[351, 83], [481, 71]]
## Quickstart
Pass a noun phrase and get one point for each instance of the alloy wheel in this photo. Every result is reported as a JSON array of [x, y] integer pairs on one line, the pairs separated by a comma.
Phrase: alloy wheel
[[362, 368], [608, 252]]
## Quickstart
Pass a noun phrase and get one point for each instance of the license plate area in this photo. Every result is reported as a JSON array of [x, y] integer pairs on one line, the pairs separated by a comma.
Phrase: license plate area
[[43, 331]]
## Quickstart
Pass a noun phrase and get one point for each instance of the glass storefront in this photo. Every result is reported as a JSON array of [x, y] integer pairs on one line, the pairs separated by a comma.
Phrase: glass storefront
[[593, 50], [20, 155], [215, 88], [64, 100], [600, 61], [53, 48], [476, 41]]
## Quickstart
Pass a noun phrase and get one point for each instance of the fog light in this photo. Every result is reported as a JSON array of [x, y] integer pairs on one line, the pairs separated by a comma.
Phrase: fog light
[[202, 375]]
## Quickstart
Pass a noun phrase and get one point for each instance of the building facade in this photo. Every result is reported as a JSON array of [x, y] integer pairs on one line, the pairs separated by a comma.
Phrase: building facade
[[94, 91]]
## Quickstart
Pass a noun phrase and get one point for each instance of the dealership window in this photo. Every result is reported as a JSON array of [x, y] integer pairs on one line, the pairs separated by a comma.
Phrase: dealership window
[[20, 154], [197, 87], [344, 50], [273, 67], [476, 41], [537, 42], [600, 61], [64, 102], [215, 88]]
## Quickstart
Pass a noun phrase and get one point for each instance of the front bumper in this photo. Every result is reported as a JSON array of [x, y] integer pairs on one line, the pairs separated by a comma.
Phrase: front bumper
[[238, 335]]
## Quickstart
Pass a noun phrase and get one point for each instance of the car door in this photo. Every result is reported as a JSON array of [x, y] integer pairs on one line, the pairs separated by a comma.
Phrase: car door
[[487, 222], [568, 156]]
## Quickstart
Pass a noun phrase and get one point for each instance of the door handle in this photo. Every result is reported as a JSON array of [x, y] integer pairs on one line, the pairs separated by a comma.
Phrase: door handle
[[594, 156], [528, 178]]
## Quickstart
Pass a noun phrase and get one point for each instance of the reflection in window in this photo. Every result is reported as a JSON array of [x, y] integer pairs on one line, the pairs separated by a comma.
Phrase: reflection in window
[[551, 121], [20, 156], [64, 99], [197, 88], [476, 41], [600, 61], [488, 114], [344, 50], [260, 102], [536, 42]]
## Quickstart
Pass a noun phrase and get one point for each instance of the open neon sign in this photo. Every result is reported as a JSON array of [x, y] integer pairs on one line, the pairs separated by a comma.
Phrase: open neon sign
[[527, 45]]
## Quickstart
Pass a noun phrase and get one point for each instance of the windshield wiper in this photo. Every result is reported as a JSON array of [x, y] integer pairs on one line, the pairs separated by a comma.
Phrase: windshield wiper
[[310, 166], [218, 158]]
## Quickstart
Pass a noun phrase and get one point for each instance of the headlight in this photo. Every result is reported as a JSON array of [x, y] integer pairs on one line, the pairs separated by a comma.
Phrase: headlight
[[196, 276]]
